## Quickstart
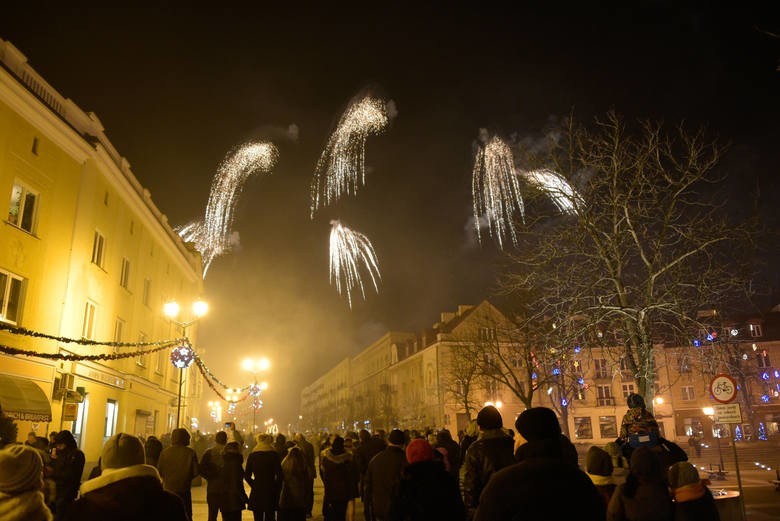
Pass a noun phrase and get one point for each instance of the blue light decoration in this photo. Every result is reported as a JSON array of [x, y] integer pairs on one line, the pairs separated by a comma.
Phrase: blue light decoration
[[581, 381], [577, 349], [696, 342], [556, 371], [765, 398], [765, 375], [761, 432], [564, 402], [738, 433], [710, 338], [533, 376], [777, 373]]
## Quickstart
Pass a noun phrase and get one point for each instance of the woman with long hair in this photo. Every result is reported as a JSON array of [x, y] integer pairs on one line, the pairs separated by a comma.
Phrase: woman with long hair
[[295, 476]]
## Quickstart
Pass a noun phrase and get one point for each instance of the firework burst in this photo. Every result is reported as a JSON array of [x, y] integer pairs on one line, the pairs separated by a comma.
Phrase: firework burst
[[562, 194], [351, 254], [341, 168], [496, 190], [212, 237]]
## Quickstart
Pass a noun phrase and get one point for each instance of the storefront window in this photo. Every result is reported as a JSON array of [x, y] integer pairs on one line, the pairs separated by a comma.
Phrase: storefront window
[[583, 430], [608, 426]]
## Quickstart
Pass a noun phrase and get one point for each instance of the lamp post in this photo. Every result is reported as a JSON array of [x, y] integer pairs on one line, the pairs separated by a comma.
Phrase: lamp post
[[182, 357], [709, 411], [255, 366]]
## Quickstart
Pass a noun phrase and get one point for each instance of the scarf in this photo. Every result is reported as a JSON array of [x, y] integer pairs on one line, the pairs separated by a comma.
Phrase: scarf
[[26, 506], [690, 492]]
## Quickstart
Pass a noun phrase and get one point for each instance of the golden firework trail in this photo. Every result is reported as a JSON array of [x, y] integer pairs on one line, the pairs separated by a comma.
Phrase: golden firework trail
[[562, 194], [351, 254], [341, 168], [212, 236]]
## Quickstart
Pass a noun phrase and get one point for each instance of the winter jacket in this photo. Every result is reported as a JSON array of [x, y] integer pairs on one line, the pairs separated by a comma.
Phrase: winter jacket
[[308, 455], [211, 467], [27, 506], [490, 453], [650, 502], [264, 474], [232, 495], [178, 466], [638, 420], [694, 503], [339, 475], [294, 483], [383, 475], [453, 453], [366, 452], [67, 469], [545, 484], [127, 494], [426, 492]]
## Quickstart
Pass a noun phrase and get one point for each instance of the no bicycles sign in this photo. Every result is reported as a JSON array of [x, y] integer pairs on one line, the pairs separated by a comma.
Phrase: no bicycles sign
[[723, 388]]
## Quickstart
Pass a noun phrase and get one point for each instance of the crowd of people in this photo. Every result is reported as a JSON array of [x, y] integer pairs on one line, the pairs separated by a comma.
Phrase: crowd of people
[[490, 473]]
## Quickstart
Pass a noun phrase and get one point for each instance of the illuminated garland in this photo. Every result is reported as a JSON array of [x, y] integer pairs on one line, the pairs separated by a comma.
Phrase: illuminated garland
[[83, 341], [76, 358], [203, 367], [207, 378]]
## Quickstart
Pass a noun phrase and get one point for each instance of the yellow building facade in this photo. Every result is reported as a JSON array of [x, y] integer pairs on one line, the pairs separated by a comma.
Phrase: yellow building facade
[[85, 253]]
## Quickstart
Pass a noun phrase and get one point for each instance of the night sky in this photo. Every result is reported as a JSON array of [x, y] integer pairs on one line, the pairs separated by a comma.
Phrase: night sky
[[176, 89]]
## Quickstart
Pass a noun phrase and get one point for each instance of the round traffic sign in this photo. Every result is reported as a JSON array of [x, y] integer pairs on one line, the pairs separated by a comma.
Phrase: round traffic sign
[[723, 388]]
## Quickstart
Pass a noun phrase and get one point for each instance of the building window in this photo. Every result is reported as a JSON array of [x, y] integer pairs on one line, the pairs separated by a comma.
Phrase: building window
[[684, 364], [763, 359], [755, 330], [124, 277], [602, 370], [583, 430], [604, 395], [693, 426], [105, 198], [159, 362], [98, 249], [688, 393], [141, 361], [627, 389], [88, 327], [34, 148], [21, 212], [147, 292], [608, 426], [119, 327], [579, 394], [132, 226], [487, 333], [79, 426], [10, 296], [111, 414]]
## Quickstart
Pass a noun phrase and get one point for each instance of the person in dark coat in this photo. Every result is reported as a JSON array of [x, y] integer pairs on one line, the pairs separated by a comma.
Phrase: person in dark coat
[[545, 483], [426, 491], [211, 467], [340, 478], [152, 447], [384, 474], [127, 489], [66, 471], [232, 500], [280, 445], [178, 466], [644, 496], [264, 474], [445, 441], [295, 479], [692, 500], [369, 447], [311, 467], [470, 435], [598, 465], [490, 453]]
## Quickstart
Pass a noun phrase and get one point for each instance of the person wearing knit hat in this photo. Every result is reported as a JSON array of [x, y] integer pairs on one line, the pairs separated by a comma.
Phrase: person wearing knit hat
[[21, 481], [538, 423], [644, 495], [67, 468], [178, 466], [692, 499], [492, 451], [426, 490], [126, 489], [598, 466]]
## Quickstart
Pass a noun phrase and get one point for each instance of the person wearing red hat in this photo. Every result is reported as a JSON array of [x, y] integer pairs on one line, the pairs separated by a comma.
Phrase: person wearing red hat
[[426, 490]]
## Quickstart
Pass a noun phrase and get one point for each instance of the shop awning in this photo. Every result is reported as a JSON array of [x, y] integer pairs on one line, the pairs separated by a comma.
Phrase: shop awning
[[22, 399]]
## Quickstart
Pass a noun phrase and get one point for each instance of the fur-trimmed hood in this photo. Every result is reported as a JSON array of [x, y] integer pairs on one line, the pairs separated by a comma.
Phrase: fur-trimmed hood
[[110, 476], [337, 458], [27, 506]]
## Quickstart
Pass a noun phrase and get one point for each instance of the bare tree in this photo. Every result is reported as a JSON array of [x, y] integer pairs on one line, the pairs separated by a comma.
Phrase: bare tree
[[461, 377], [647, 243]]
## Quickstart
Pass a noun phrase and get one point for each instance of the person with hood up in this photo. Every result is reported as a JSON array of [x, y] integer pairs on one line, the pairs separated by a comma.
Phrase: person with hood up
[[211, 467], [340, 477], [444, 440], [152, 447], [178, 466], [545, 483], [21, 482], [426, 490], [383, 475], [489, 454], [308, 456], [692, 500], [232, 500], [598, 465], [264, 474], [295, 479], [127, 489], [644, 496], [67, 469]]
